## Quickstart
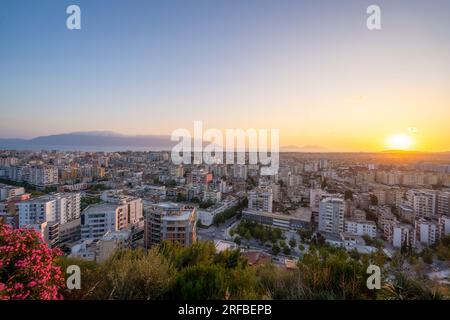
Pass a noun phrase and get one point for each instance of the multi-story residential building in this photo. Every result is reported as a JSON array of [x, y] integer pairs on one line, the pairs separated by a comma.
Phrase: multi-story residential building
[[240, 171], [443, 203], [260, 199], [381, 196], [212, 196], [8, 161], [422, 201], [49, 231], [170, 222], [427, 231], [7, 192], [134, 206], [98, 219], [399, 234], [176, 171], [388, 178], [19, 173], [43, 176], [68, 206], [331, 215], [70, 232], [315, 196], [444, 226], [361, 227], [199, 177], [38, 210]]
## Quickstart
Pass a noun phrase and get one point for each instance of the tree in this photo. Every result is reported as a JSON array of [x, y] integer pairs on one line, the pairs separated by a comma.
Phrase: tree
[[28, 268], [292, 243], [135, 275], [287, 250], [276, 249], [427, 255]]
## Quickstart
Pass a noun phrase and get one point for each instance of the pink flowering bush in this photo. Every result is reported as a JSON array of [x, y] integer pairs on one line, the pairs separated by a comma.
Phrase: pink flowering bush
[[27, 266]]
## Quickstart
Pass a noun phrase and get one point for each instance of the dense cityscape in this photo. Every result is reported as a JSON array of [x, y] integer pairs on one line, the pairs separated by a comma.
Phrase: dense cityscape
[[392, 208], [216, 158]]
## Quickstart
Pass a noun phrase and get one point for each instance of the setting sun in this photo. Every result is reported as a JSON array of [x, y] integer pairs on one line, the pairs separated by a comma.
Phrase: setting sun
[[400, 141]]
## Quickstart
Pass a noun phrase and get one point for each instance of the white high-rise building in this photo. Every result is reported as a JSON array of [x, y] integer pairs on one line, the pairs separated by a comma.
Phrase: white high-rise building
[[331, 215], [68, 207], [427, 231], [443, 203], [43, 176], [98, 219], [423, 202], [260, 199], [61, 208], [403, 234], [38, 210], [134, 206]]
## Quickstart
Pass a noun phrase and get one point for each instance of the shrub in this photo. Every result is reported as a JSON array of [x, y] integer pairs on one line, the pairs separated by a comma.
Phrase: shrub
[[28, 268]]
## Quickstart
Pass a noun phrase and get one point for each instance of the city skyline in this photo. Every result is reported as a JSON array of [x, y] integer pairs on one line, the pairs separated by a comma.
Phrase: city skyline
[[311, 69]]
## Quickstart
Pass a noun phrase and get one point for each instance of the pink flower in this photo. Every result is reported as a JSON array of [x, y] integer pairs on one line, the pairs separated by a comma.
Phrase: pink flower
[[32, 272]]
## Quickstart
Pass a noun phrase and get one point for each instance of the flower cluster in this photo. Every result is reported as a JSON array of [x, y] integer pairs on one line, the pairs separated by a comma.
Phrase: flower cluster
[[27, 266]]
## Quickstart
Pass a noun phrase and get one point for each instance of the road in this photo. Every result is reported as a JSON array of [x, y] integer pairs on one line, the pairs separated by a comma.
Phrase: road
[[221, 232]]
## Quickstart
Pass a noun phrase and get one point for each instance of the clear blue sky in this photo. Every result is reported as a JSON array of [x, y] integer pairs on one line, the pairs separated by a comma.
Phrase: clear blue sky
[[149, 67]]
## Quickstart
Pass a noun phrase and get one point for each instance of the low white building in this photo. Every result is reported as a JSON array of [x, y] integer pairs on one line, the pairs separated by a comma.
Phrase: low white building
[[361, 227], [7, 191]]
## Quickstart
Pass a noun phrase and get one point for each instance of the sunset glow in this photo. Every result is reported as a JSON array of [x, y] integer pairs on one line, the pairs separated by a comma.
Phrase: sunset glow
[[400, 141]]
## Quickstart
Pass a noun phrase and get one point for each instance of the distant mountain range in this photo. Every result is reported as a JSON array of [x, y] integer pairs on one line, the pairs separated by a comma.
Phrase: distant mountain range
[[90, 140], [109, 140]]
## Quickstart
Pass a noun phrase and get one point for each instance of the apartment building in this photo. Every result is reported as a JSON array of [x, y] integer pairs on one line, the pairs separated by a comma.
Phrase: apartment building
[[443, 203], [260, 199], [43, 176], [38, 210], [422, 201], [331, 215], [170, 222], [68, 206], [427, 231], [100, 218], [361, 228], [444, 225], [7, 191], [399, 234], [134, 206]]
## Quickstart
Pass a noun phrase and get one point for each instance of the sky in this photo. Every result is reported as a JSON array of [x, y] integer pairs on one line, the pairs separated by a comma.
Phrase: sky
[[311, 69]]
